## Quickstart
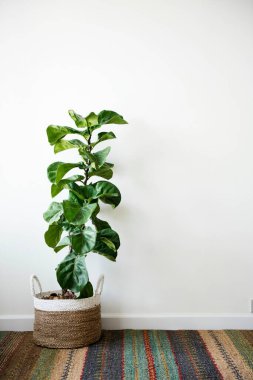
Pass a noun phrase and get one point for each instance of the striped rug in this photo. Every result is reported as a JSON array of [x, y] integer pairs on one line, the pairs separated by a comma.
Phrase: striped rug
[[133, 355]]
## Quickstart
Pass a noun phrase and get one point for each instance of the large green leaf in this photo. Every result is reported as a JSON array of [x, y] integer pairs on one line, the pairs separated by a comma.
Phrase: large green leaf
[[67, 144], [65, 168], [88, 157], [52, 170], [76, 214], [72, 273], [110, 117], [53, 235], [104, 171], [108, 193], [100, 224], [89, 192], [66, 226], [85, 241], [79, 120], [58, 169], [91, 119], [101, 156], [87, 291], [107, 243], [64, 184], [56, 132], [77, 191], [53, 213], [62, 244], [103, 136]]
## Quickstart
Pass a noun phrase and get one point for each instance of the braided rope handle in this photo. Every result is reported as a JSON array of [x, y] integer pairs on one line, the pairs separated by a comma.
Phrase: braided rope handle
[[34, 280], [100, 284]]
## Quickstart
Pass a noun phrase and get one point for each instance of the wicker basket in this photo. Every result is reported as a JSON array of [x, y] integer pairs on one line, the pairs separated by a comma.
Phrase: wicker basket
[[66, 323]]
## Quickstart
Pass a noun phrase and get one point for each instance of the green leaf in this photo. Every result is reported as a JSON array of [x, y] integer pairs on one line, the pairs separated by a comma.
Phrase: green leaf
[[52, 170], [62, 244], [103, 136], [53, 213], [89, 192], [58, 169], [79, 120], [63, 184], [67, 144], [64, 168], [87, 291], [109, 243], [104, 171], [108, 193], [85, 241], [72, 273], [53, 235], [77, 191], [91, 119], [101, 156], [76, 214], [110, 117], [66, 226], [100, 224], [56, 133], [102, 243], [87, 156]]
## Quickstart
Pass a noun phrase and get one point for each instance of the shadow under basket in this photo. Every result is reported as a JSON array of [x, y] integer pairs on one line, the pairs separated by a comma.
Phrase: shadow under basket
[[66, 323]]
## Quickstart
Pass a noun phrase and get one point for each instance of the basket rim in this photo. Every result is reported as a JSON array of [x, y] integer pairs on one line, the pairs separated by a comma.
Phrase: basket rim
[[38, 296]]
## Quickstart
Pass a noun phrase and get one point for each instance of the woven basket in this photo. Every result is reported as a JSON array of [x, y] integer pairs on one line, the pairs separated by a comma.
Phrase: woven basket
[[66, 323]]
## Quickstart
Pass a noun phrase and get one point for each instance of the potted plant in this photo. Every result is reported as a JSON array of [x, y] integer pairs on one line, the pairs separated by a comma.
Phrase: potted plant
[[71, 317]]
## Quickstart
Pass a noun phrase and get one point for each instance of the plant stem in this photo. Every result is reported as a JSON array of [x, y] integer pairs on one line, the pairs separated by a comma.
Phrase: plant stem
[[86, 171]]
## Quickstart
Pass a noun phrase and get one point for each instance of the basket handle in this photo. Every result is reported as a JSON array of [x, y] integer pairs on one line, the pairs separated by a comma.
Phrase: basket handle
[[100, 285], [34, 279]]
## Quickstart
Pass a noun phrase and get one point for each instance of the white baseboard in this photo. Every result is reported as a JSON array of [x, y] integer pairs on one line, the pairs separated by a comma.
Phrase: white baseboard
[[24, 322]]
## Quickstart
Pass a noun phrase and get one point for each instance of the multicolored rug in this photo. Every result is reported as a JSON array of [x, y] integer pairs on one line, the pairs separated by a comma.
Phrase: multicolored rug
[[133, 355]]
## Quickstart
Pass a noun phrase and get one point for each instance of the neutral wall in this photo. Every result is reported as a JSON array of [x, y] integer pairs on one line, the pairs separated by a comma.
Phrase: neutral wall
[[181, 73]]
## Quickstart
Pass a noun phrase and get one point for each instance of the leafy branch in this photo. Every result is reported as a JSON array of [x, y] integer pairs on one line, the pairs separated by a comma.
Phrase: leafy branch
[[76, 216]]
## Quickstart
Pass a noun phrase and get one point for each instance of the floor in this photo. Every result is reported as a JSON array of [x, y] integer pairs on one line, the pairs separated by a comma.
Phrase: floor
[[133, 355]]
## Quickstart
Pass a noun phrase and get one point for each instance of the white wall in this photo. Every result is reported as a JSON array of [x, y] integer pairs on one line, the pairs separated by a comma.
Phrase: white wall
[[181, 73]]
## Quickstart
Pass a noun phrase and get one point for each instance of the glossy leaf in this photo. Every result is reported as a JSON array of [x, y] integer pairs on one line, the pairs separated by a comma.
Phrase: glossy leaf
[[53, 213], [77, 214], [109, 243], [63, 184], [72, 273], [77, 191], [100, 224], [104, 171], [52, 170], [89, 192], [103, 136], [64, 168], [110, 117], [56, 133], [102, 243], [108, 193], [67, 144], [53, 235], [58, 169], [87, 291], [85, 241], [88, 157], [79, 120], [91, 119], [101, 156], [62, 244]]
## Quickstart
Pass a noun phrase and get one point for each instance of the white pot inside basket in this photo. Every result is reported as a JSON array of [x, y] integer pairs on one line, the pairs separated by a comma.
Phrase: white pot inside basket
[[64, 304]]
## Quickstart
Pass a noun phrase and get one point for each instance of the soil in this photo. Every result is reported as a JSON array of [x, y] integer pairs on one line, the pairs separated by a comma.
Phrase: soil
[[68, 295]]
